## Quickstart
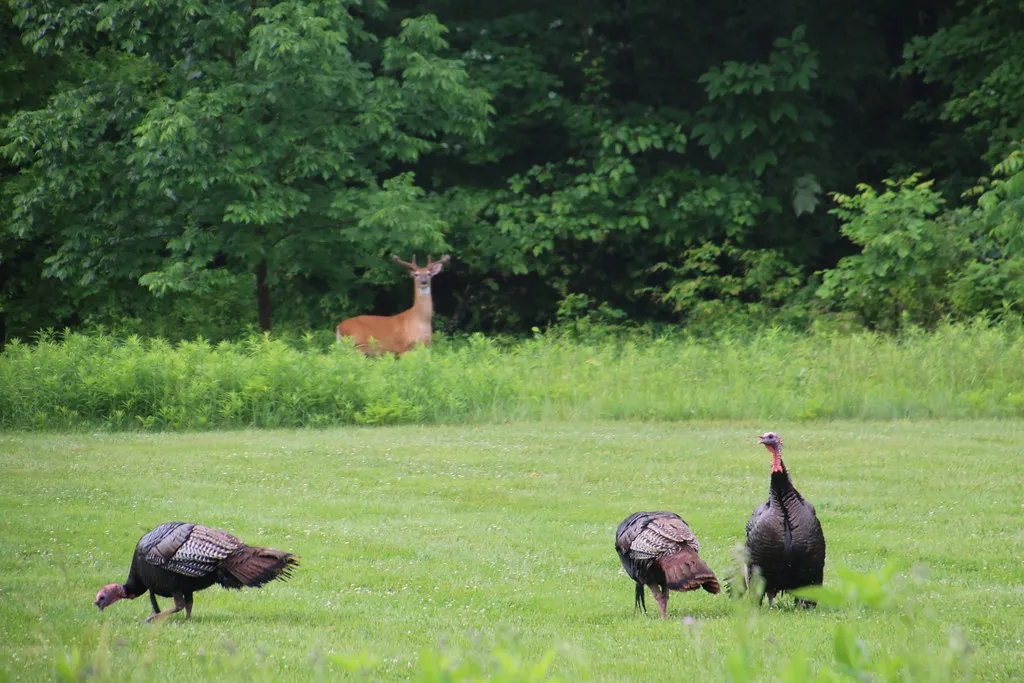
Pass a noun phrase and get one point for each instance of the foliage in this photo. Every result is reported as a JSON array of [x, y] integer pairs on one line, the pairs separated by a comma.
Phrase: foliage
[[88, 382], [434, 665], [219, 144], [648, 217], [907, 253], [755, 284], [669, 173], [873, 589], [855, 592], [975, 57], [772, 100], [994, 279], [919, 263]]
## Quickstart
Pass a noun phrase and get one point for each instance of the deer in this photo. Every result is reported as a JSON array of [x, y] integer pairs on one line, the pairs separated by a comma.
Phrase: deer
[[376, 334]]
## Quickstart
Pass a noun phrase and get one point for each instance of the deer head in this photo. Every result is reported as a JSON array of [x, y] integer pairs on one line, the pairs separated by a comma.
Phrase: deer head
[[422, 275]]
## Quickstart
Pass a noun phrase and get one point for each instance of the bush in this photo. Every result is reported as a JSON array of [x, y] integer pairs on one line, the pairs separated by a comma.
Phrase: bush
[[105, 382]]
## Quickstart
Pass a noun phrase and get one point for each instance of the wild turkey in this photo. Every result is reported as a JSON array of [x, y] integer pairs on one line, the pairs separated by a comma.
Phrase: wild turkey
[[784, 538], [178, 558], [658, 549]]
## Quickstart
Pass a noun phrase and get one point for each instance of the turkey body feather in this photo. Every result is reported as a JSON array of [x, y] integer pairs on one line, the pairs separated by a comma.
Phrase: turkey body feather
[[177, 559], [660, 551], [785, 541]]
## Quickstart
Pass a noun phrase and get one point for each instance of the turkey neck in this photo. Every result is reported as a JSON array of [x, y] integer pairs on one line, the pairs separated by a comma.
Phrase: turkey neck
[[785, 498], [781, 491], [134, 586]]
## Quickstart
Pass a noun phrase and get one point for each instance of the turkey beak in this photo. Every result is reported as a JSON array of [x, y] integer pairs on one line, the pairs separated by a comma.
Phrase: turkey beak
[[98, 604]]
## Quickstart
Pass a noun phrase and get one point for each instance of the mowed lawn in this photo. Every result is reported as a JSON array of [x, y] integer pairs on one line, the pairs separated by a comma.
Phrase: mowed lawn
[[460, 542]]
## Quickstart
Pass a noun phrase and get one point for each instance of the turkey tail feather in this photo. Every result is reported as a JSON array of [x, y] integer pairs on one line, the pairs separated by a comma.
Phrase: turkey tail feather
[[685, 571], [256, 566]]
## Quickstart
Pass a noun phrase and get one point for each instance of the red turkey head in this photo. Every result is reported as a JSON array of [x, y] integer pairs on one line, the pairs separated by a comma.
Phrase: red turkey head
[[108, 595], [773, 442]]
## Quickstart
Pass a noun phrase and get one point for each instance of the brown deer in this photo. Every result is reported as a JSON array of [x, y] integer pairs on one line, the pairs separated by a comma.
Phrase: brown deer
[[397, 334]]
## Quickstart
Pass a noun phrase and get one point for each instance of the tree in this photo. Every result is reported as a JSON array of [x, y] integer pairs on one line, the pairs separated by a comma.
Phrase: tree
[[26, 80], [650, 160], [200, 143], [976, 57]]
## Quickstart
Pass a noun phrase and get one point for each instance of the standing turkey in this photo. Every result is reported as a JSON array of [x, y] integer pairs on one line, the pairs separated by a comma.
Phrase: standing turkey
[[178, 558], [784, 537], [658, 549]]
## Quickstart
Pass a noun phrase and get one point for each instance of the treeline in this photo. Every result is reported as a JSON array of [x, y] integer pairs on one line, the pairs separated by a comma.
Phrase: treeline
[[181, 169]]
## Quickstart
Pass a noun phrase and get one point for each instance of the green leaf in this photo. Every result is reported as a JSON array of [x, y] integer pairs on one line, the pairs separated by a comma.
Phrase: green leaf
[[823, 595], [849, 650], [762, 160], [805, 194]]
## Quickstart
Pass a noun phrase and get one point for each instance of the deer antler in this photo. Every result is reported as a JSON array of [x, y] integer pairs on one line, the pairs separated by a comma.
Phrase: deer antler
[[410, 266], [430, 261]]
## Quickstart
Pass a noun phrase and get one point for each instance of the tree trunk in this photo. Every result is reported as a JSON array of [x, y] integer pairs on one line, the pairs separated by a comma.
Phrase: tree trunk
[[263, 296]]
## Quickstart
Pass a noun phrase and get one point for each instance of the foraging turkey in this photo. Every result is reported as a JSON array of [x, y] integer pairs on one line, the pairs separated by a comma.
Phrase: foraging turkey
[[784, 538], [178, 558], [658, 549]]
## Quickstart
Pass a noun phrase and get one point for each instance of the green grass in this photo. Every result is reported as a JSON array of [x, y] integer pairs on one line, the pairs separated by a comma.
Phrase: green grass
[[101, 382], [464, 541]]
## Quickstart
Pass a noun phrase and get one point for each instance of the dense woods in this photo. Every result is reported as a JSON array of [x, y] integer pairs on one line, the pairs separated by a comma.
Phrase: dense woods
[[180, 168]]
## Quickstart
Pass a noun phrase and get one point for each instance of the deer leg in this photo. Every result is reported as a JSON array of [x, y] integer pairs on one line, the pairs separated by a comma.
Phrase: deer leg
[[179, 604]]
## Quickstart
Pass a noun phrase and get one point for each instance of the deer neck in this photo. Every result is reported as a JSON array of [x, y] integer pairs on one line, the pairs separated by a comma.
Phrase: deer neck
[[423, 304]]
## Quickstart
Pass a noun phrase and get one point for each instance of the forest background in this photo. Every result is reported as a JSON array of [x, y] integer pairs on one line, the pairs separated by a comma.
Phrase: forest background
[[184, 168]]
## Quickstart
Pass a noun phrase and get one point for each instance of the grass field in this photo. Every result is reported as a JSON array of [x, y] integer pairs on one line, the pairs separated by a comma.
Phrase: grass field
[[491, 548]]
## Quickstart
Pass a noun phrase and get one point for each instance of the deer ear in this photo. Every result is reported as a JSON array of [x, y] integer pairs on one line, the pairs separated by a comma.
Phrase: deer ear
[[435, 268]]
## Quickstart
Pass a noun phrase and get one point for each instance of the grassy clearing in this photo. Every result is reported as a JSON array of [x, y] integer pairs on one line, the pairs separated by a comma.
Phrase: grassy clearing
[[420, 543], [104, 383]]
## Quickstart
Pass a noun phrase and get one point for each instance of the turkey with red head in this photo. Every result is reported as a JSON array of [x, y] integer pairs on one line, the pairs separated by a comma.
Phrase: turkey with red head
[[784, 538], [657, 549], [177, 559]]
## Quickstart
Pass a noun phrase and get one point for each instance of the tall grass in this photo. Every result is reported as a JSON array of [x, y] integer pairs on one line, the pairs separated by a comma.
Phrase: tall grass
[[101, 381]]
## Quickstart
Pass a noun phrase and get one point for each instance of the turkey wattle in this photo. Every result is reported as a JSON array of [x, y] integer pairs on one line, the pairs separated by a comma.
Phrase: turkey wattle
[[658, 549], [178, 558], [784, 538]]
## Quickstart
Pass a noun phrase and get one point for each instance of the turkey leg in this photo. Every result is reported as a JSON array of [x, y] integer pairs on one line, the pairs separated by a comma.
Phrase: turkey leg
[[180, 603], [662, 597]]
